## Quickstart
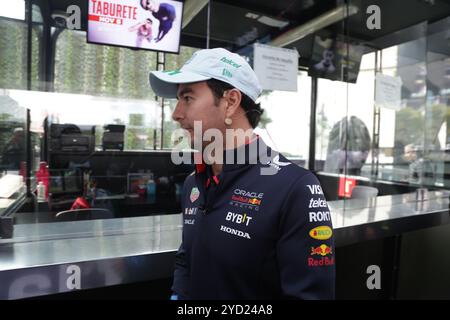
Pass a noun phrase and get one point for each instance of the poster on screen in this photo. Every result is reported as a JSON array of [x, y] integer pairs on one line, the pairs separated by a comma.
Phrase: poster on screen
[[142, 24]]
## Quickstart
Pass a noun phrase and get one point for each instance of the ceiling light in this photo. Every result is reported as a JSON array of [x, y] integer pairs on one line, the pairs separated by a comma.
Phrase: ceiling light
[[340, 13], [191, 9]]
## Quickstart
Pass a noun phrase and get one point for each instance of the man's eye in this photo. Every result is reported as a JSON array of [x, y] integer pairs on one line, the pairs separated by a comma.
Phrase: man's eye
[[187, 98]]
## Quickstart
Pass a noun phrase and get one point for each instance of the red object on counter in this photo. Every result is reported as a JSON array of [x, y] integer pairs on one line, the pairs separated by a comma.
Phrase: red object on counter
[[43, 175], [346, 186], [80, 203]]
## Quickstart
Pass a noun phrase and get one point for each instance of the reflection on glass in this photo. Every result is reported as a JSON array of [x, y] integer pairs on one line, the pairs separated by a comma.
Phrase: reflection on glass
[[12, 134], [338, 103], [284, 125], [348, 146], [13, 150], [412, 138]]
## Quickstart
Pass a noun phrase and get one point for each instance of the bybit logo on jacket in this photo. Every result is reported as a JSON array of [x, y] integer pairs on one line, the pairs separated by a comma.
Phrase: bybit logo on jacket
[[246, 199], [238, 218]]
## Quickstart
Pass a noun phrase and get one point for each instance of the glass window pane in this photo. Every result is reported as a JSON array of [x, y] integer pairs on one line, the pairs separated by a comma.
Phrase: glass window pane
[[285, 122], [13, 53], [14, 9]]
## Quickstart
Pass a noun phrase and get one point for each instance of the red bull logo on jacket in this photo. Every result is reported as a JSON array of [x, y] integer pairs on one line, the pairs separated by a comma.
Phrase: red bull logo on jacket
[[246, 199], [254, 201], [322, 250], [322, 262]]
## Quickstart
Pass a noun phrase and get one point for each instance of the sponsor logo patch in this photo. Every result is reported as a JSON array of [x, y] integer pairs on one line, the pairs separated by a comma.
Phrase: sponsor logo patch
[[246, 199], [190, 211], [230, 62], [315, 189], [321, 233], [235, 232], [322, 262], [250, 194], [238, 218], [319, 216], [195, 193], [317, 203], [322, 250], [277, 164]]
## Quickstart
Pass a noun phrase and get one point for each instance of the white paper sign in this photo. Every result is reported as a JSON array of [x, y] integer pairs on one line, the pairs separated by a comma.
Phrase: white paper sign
[[276, 68], [388, 91]]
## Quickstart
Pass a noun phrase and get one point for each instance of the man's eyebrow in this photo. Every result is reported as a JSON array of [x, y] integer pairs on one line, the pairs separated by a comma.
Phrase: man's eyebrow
[[184, 91]]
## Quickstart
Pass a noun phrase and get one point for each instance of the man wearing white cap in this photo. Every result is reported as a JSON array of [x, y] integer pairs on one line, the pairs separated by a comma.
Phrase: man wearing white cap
[[254, 227]]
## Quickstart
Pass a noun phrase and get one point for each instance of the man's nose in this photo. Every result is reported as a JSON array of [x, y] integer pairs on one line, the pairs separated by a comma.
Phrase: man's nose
[[177, 114]]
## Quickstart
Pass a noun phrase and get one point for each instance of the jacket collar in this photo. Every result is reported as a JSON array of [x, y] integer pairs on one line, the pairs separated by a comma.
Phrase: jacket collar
[[247, 154]]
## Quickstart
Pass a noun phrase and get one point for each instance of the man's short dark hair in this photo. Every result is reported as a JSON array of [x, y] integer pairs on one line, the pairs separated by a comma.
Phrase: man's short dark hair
[[253, 110]]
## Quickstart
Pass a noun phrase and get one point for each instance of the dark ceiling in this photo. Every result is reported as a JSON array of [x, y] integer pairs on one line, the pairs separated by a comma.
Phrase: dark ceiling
[[233, 28]]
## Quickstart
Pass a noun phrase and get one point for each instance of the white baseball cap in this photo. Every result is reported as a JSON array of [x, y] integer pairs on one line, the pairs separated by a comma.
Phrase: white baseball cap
[[208, 64]]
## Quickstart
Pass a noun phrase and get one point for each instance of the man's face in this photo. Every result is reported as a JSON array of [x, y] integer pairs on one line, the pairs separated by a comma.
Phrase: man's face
[[410, 154], [148, 5], [196, 103]]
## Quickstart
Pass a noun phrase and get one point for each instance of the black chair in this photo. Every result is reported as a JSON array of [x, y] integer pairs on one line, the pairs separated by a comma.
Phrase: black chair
[[84, 214]]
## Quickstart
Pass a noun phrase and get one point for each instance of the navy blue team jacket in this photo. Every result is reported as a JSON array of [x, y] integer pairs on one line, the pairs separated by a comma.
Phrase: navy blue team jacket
[[248, 235]]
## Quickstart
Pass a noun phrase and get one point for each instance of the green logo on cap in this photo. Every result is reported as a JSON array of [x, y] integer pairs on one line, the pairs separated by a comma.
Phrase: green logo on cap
[[230, 62], [172, 73], [227, 73]]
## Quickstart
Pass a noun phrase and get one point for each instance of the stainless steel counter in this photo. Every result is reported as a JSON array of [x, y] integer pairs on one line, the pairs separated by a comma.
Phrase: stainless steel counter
[[357, 220], [49, 258], [66, 242]]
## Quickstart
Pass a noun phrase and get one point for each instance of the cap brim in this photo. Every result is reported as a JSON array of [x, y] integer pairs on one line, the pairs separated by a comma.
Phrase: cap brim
[[165, 83]]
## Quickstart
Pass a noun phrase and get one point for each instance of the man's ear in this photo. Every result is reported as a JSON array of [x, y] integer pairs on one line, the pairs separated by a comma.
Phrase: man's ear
[[233, 98]]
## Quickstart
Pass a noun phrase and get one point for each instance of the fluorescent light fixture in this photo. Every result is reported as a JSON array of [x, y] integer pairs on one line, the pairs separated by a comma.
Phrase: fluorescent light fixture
[[340, 13], [191, 9], [251, 15], [273, 22]]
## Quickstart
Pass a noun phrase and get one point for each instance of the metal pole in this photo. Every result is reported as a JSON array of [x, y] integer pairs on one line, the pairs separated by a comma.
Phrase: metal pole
[[29, 17], [160, 65], [28, 155], [208, 26], [312, 126], [376, 124]]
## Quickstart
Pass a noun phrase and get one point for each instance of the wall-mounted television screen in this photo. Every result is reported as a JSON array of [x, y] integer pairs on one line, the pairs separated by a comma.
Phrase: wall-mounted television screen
[[142, 24], [335, 59]]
